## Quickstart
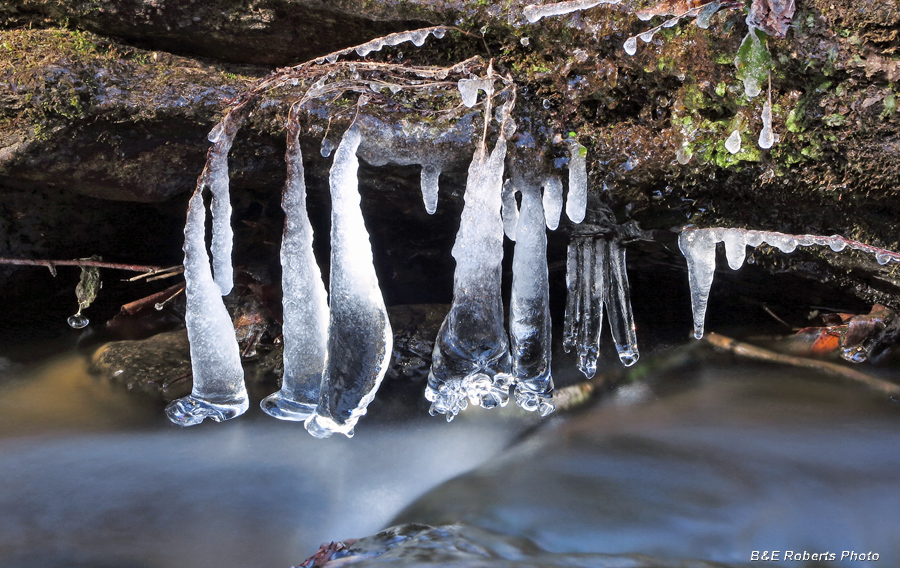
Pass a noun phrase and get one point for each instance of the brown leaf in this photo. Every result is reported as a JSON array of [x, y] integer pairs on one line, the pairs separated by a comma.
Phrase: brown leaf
[[772, 16]]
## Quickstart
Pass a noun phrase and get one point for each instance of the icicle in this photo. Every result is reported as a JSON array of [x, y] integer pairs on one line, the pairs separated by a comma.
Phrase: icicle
[[218, 391], [630, 45], [766, 136], [535, 12], [735, 247], [359, 334], [576, 201], [431, 173], [587, 292], [509, 210], [305, 328], [216, 177], [468, 89], [529, 311], [733, 144], [699, 249], [471, 353], [618, 304], [553, 201]]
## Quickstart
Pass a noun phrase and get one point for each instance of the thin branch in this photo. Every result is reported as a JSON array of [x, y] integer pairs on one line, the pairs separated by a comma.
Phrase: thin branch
[[158, 298], [52, 264], [754, 352]]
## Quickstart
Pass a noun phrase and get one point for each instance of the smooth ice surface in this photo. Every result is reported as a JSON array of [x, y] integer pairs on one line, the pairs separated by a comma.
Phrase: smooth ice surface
[[509, 210], [576, 201], [733, 144], [218, 390], [471, 353], [305, 328], [431, 173], [529, 310], [699, 249], [553, 201], [535, 12], [706, 14], [618, 303], [359, 334], [468, 89], [630, 45], [735, 247]]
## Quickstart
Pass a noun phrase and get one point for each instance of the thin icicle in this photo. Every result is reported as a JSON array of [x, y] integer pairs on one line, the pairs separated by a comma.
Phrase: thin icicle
[[468, 89], [766, 135], [509, 210], [218, 390], [305, 302], [431, 173], [535, 12], [699, 249], [216, 177], [553, 201], [584, 304], [359, 334], [471, 353], [576, 200], [529, 311], [618, 304]]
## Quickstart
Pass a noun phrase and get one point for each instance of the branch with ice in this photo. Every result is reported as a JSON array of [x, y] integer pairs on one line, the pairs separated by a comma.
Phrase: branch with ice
[[699, 249], [678, 11], [534, 12], [596, 278], [305, 303]]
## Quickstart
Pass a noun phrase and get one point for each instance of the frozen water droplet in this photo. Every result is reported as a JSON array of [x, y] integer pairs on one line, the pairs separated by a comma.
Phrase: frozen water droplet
[[327, 147], [78, 321], [735, 247], [525, 41], [418, 38], [159, 306], [882, 258], [671, 22], [484, 30], [630, 45], [647, 36], [629, 357], [683, 155], [545, 103], [331, 57], [320, 60], [399, 56], [439, 32], [766, 138], [733, 144], [216, 133]]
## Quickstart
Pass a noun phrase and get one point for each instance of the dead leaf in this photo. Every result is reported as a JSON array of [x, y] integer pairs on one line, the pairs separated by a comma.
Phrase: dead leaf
[[772, 16]]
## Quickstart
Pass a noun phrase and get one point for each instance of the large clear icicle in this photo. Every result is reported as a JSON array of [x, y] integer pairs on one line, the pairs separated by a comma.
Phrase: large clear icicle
[[359, 333], [576, 200], [529, 311], [618, 304], [216, 177], [587, 292], [218, 391], [699, 249], [305, 302], [471, 353]]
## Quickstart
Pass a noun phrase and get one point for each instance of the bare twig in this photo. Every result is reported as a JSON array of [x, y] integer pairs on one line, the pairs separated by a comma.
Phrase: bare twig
[[754, 352], [161, 297], [167, 272], [52, 264]]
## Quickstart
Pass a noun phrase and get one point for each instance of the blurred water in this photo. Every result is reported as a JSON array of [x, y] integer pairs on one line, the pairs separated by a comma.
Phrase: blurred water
[[93, 478]]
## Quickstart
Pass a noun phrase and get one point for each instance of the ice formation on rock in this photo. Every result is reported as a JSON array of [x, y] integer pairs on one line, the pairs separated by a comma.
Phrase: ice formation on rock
[[699, 249], [535, 12], [471, 353], [359, 333], [305, 328], [529, 306], [597, 279], [766, 136], [733, 144], [218, 389], [576, 200]]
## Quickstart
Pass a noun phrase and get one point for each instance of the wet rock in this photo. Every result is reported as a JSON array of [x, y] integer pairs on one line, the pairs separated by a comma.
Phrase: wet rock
[[159, 366], [462, 546], [712, 464]]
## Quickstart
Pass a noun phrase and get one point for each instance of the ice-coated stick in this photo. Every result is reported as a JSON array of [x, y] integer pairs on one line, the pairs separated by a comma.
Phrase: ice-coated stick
[[618, 304], [359, 333], [305, 302]]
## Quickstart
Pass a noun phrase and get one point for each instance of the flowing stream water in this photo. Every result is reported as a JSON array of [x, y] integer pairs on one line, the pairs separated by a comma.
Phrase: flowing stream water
[[710, 464]]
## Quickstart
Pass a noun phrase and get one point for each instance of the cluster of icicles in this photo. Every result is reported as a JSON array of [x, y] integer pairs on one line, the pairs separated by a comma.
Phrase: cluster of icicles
[[337, 345], [699, 248]]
